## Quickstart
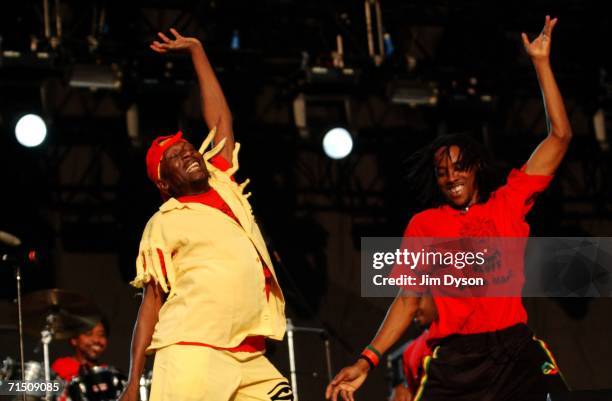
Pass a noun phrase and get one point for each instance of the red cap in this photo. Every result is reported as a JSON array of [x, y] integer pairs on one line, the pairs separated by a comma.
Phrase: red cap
[[156, 152]]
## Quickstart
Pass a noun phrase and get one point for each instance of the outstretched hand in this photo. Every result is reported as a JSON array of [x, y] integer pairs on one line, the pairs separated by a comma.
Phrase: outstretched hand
[[539, 48], [346, 382], [178, 44]]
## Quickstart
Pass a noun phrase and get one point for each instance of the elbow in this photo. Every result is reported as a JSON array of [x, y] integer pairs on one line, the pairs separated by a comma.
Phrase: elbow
[[410, 304], [563, 134]]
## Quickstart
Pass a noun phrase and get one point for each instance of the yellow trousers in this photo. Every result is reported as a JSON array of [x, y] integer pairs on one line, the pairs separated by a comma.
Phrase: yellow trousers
[[197, 373]]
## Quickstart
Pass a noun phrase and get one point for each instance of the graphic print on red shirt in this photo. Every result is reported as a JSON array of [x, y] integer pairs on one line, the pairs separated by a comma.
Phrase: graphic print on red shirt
[[503, 215]]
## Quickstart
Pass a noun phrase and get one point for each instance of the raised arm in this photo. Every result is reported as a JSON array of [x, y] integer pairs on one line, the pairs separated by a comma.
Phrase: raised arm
[[550, 152], [215, 110], [141, 338], [399, 316]]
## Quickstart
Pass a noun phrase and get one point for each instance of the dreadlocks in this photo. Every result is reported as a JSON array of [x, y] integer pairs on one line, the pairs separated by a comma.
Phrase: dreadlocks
[[421, 175]]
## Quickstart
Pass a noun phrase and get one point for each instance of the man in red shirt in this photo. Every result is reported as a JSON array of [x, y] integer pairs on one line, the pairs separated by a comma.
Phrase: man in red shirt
[[482, 349]]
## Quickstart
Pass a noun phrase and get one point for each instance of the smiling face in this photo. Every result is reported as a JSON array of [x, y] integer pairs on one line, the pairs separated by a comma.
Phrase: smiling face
[[183, 171], [456, 181], [90, 345]]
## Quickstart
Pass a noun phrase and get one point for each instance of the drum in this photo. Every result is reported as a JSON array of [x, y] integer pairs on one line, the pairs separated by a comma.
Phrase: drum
[[11, 370], [96, 384]]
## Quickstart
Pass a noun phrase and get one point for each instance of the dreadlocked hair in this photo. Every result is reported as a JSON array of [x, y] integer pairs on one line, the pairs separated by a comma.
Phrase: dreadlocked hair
[[420, 167]]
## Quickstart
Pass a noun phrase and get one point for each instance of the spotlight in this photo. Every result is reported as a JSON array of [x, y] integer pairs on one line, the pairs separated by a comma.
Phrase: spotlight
[[30, 130], [337, 143]]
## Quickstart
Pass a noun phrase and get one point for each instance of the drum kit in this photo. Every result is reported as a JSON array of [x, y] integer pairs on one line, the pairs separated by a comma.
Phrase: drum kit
[[57, 315]]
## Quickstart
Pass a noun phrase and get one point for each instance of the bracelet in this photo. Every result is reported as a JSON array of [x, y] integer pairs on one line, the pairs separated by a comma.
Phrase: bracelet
[[372, 355], [370, 363], [374, 350]]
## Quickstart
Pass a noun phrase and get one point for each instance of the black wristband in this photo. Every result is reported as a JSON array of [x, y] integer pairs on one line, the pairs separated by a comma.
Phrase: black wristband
[[365, 358]]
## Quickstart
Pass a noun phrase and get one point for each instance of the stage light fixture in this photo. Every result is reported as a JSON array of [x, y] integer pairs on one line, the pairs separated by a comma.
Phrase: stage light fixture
[[30, 130], [337, 143], [414, 93]]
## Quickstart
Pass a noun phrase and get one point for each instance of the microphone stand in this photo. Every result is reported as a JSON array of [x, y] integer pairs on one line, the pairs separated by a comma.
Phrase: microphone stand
[[45, 337], [12, 241], [291, 330], [19, 313]]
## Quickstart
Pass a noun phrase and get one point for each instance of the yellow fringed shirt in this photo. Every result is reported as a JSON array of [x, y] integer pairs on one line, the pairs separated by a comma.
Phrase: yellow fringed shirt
[[210, 267]]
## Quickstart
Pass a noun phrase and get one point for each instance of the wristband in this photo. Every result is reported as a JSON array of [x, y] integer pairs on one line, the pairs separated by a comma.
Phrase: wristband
[[374, 350], [372, 355], [370, 363]]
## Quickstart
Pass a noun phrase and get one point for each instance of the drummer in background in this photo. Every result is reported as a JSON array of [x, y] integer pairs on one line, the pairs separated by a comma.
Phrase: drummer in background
[[88, 346]]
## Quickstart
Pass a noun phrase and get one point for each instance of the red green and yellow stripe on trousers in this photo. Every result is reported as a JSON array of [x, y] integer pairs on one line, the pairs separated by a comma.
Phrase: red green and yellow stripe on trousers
[[426, 362], [549, 367]]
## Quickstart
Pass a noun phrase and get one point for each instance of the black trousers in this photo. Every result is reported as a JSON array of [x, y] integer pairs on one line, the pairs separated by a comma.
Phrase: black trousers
[[509, 364]]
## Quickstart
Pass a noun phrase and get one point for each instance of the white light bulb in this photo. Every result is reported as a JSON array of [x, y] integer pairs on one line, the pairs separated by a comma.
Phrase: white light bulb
[[30, 130], [337, 143]]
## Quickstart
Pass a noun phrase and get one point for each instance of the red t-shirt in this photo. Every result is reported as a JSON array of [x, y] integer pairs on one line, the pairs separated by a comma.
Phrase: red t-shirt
[[66, 367], [213, 199], [412, 359], [503, 215]]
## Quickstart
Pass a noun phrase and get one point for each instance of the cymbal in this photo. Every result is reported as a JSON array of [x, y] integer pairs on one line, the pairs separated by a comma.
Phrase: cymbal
[[62, 312]]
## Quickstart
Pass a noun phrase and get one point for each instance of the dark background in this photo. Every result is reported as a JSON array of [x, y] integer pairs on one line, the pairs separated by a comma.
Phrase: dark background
[[82, 197]]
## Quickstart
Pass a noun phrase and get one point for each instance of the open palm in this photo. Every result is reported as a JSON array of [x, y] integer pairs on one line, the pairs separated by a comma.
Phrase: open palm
[[178, 44], [539, 48]]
